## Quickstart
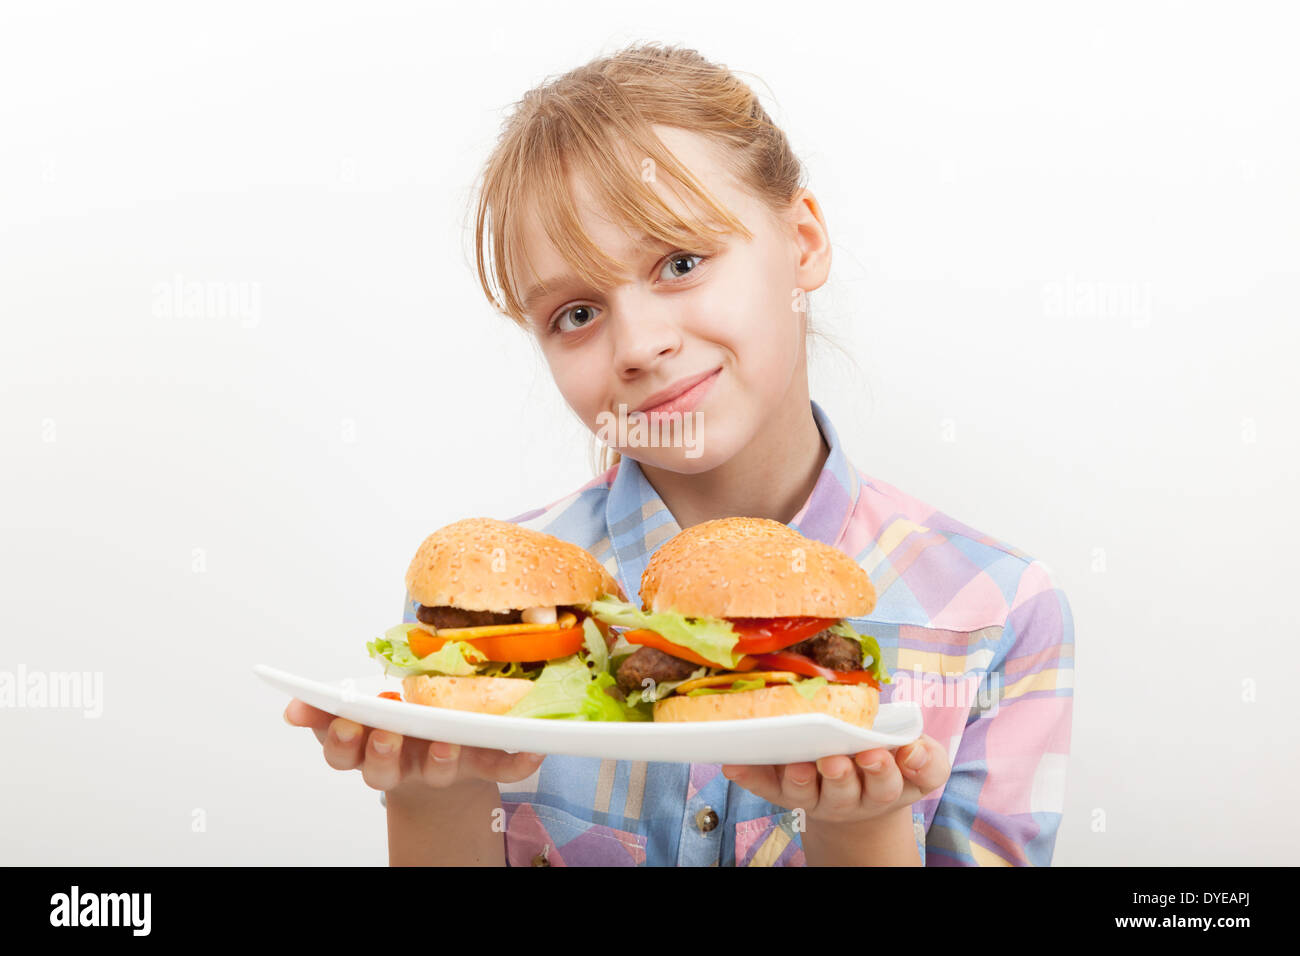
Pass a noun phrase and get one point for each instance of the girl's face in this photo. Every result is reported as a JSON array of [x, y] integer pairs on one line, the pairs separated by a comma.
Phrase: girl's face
[[731, 322]]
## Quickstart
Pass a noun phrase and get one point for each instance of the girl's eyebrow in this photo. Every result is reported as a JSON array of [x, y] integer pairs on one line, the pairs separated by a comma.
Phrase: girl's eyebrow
[[541, 290]]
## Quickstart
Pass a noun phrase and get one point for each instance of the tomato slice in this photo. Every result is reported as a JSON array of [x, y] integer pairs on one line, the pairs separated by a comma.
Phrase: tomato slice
[[781, 661], [661, 643], [760, 635], [810, 668], [541, 646], [422, 642], [757, 635]]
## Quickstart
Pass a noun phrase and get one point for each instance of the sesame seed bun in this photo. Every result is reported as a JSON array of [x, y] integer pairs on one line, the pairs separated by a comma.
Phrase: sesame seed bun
[[754, 567], [481, 564], [854, 703]]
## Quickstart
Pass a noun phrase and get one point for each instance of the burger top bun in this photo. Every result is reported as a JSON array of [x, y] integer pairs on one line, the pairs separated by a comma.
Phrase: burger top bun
[[481, 564], [754, 567]]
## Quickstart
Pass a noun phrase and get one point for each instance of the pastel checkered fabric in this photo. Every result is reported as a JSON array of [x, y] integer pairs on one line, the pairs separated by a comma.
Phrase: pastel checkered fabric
[[973, 629]]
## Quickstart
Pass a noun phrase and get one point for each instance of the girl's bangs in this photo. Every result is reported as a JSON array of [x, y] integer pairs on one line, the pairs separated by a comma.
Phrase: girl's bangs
[[618, 183]]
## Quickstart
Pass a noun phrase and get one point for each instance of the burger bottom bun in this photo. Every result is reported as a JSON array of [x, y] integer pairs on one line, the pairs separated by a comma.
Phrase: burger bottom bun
[[484, 695], [853, 703]]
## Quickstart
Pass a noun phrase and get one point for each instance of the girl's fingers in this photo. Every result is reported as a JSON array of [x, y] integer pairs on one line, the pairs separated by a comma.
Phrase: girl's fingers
[[762, 781], [441, 764], [446, 764], [882, 783], [497, 765], [384, 762], [519, 766], [382, 767], [479, 762], [300, 714], [841, 788], [799, 784], [344, 744], [924, 764]]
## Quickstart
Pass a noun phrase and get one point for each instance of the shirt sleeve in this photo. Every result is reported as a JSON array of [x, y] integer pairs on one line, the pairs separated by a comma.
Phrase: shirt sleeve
[[1002, 804]]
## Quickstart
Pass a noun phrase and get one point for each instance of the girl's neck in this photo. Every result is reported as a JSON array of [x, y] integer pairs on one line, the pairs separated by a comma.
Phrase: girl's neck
[[771, 477]]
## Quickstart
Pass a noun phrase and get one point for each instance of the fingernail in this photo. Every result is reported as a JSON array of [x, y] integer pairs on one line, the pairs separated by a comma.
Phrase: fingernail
[[345, 734], [285, 715], [382, 744], [872, 766], [441, 750], [916, 759]]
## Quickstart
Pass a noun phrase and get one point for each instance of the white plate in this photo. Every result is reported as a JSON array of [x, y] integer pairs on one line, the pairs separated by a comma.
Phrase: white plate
[[758, 740]]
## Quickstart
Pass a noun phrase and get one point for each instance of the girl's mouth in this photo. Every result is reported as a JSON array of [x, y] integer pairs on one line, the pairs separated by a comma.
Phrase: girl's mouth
[[682, 397]]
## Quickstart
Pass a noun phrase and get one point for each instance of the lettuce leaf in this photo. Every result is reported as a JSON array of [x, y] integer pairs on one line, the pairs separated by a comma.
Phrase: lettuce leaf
[[736, 687], [455, 658], [602, 706], [597, 652], [513, 669], [808, 688], [571, 688], [870, 650], [714, 639]]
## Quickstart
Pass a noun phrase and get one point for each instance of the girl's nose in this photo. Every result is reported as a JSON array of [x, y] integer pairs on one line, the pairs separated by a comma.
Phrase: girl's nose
[[645, 334]]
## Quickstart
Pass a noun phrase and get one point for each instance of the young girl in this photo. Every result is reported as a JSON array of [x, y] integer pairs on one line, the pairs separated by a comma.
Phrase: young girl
[[643, 218]]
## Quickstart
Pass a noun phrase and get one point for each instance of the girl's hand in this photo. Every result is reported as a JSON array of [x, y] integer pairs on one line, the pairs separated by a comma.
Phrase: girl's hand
[[850, 789], [388, 760]]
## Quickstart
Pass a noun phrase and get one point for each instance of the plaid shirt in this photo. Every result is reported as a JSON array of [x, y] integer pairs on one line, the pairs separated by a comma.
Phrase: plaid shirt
[[973, 629]]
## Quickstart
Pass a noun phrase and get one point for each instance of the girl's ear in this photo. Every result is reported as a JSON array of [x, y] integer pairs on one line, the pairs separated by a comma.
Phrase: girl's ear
[[812, 240]]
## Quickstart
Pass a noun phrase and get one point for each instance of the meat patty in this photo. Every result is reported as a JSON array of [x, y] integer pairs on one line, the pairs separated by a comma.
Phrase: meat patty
[[458, 617], [652, 663], [831, 650]]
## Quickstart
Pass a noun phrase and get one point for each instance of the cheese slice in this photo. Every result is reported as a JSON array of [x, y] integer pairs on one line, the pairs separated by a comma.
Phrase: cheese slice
[[730, 677], [566, 620]]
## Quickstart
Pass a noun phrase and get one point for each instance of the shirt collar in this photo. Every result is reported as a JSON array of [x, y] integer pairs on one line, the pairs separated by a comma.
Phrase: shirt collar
[[639, 522]]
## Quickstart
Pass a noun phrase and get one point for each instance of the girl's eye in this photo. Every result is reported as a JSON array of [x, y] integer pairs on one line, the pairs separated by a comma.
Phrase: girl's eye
[[582, 316], [680, 265]]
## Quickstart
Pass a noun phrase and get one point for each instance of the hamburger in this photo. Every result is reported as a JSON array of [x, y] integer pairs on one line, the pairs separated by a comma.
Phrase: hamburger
[[745, 617], [503, 625]]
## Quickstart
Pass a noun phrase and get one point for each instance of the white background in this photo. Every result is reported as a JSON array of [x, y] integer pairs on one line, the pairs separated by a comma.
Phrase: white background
[[1064, 285]]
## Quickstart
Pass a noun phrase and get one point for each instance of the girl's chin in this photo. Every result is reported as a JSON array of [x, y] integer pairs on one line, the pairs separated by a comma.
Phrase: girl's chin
[[670, 459], [687, 444]]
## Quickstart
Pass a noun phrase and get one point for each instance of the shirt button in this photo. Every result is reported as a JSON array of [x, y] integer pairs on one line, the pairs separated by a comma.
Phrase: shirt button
[[706, 819]]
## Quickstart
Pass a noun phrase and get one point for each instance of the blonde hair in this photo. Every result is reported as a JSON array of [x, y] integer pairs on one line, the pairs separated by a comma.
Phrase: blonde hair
[[595, 122]]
